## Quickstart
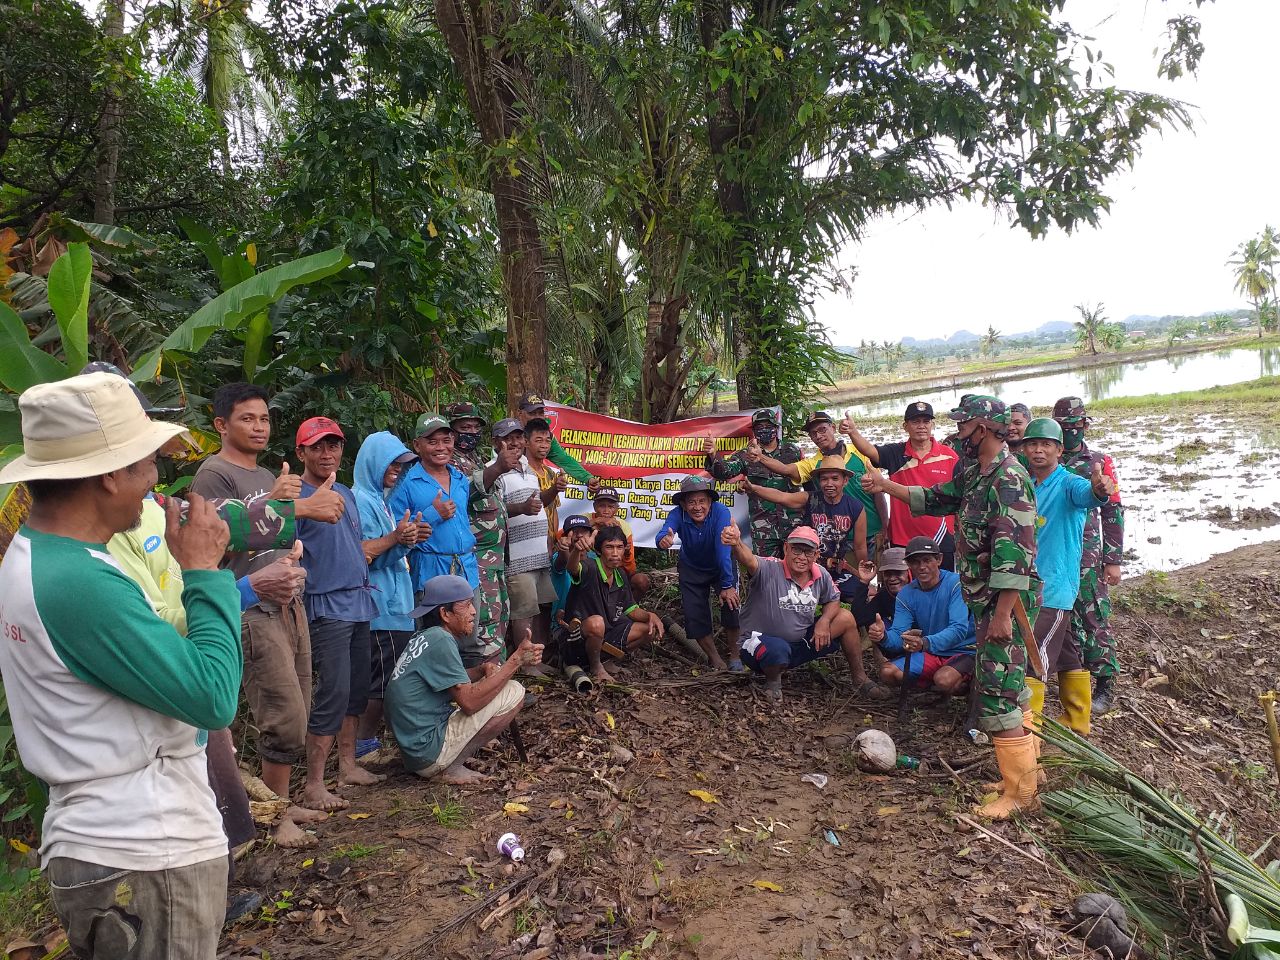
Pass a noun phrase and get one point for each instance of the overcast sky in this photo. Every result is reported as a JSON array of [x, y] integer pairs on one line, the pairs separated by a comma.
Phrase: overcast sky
[[1175, 218]]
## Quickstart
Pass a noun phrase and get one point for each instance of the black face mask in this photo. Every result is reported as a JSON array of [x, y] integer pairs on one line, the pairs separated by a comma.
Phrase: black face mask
[[765, 433], [972, 446], [466, 442]]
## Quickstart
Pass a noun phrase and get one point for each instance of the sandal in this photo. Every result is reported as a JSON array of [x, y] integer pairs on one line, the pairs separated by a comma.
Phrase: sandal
[[873, 691]]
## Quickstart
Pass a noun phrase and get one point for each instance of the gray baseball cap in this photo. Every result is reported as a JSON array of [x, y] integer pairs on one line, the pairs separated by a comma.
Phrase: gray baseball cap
[[440, 590]]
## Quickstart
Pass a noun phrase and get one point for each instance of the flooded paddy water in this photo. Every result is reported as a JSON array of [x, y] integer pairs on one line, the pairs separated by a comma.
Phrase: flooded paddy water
[[1195, 484]]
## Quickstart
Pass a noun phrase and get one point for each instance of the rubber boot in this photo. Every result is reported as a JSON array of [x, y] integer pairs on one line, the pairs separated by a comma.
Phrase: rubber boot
[[1031, 714], [1017, 759], [1104, 696], [1075, 694]]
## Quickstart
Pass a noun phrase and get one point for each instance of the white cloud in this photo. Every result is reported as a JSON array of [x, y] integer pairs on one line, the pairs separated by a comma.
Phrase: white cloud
[[1174, 221]]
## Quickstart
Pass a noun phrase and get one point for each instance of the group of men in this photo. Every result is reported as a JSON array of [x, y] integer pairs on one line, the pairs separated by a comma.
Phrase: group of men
[[414, 598]]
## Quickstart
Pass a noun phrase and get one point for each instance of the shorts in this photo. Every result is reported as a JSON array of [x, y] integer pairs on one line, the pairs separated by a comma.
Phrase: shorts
[[528, 591], [1051, 628], [277, 678], [385, 648], [463, 727], [762, 650], [696, 588], [340, 659], [922, 674]]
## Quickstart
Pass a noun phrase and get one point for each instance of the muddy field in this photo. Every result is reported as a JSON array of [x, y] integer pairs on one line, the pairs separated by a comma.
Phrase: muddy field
[[668, 817]]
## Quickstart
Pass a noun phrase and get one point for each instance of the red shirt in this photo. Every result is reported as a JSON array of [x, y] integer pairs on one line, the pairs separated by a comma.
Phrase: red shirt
[[904, 467]]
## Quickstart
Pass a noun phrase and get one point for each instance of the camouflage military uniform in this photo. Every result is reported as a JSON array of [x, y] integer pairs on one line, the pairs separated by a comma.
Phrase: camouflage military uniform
[[488, 517], [770, 522], [995, 551], [1103, 545], [259, 524]]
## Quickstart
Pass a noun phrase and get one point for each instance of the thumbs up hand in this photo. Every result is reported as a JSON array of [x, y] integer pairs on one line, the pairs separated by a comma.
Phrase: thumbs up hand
[[1103, 486], [731, 536], [444, 506], [424, 528], [754, 451], [288, 486], [406, 531], [875, 632], [325, 505]]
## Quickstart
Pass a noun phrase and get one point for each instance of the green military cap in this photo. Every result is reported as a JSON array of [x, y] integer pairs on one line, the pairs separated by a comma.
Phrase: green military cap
[[980, 407], [429, 423], [1070, 411]]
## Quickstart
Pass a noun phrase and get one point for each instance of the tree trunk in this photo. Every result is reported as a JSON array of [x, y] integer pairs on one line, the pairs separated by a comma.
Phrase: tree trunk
[[104, 185], [474, 33], [664, 368]]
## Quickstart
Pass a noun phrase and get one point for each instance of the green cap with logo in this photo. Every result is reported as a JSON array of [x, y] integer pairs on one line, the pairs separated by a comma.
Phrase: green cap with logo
[[1069, 411], [981, 407], [429, 423], [1043, 428]]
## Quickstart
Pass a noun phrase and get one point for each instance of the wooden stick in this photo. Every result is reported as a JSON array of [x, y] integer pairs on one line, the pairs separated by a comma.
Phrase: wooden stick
[[1137, 712], [1268, 701]]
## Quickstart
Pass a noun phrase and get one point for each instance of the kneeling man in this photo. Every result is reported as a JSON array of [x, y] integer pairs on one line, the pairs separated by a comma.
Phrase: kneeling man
[[931, 626], [781, 619], [440, 712]]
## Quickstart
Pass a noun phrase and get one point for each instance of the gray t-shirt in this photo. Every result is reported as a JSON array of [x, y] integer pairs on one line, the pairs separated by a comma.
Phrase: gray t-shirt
[[779, 607], [218, 477]]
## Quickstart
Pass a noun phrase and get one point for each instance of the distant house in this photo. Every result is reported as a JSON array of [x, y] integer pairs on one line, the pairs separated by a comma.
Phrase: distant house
[[1137, 334]]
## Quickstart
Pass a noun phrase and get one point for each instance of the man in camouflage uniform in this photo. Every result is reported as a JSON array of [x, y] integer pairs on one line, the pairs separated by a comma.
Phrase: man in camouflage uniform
[[995, 509], [770, 522], [488, 516], [1101, 559]]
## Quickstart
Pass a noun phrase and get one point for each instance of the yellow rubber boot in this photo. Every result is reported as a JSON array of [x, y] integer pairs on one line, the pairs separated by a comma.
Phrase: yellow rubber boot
[[1017, 759], [1031, 714], [1076, 694]]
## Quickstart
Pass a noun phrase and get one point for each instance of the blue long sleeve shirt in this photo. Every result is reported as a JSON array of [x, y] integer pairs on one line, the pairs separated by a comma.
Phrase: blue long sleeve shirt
[[451, 548], [700, 546], [940, 614], [1063, 502]]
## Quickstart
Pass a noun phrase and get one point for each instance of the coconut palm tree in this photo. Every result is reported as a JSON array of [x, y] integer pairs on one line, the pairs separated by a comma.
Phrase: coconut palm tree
[[987, 344], [1255, 280]]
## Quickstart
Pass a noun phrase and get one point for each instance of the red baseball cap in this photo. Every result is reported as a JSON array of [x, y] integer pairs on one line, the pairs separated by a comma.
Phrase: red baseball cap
[[805, 535], [317, 427]]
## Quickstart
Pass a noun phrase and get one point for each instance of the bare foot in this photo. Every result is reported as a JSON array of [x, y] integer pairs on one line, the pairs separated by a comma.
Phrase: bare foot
[[291, 836], [533, 670], [717, 663], [302, 815], [359, 777], [318, 798], [601, 675], [460, 775]]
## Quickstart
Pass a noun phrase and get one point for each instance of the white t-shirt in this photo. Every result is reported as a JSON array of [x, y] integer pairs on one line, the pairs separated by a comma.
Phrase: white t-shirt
[[527, 546]]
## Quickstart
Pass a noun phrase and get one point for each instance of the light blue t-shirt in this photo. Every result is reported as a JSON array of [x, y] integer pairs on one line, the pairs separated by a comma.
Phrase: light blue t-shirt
[[1063, 501], [418, 704]]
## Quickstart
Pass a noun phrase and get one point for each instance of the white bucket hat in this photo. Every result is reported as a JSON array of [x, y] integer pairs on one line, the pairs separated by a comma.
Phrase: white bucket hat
[[83, 427]]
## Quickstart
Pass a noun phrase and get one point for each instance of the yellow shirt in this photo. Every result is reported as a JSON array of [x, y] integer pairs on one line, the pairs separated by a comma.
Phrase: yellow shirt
[[145, 558], [546, 480], [810, 464]]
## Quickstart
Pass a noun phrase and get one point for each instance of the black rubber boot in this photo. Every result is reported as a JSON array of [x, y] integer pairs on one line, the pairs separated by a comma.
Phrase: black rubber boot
[[1104, 695]]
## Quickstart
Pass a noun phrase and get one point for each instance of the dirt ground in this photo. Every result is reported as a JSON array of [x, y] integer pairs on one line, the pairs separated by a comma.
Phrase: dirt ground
[[624, 861]]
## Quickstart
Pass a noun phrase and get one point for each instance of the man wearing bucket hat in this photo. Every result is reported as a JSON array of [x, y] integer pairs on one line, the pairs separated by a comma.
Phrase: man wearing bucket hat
[[109, 702], [704, 566], [792, 614], [770, 523], [822, 431], [440, 712], [1063, 501], [1101, 559], [996, 547]]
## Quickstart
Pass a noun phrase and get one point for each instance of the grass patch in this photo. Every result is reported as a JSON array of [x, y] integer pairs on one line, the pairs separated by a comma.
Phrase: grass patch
[[450, 813], [356, 851], [1154, 592], [1263, 391], [24, 908]]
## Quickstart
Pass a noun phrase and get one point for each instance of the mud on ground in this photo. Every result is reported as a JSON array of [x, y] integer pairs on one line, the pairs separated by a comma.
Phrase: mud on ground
[[624, 861]]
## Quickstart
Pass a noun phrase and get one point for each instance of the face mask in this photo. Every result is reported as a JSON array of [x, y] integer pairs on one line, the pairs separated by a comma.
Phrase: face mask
[[466, 442], [1071, 439], [973, 442], [765, 433]]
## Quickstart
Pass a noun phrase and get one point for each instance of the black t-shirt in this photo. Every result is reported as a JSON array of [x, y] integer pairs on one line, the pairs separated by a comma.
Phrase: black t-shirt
[[834, 524], [597, 594], [854, 592]]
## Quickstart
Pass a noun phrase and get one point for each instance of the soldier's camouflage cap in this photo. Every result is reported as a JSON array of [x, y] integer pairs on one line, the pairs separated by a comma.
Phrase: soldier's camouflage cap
[[462, 410], [1070, 410], [980, 407]]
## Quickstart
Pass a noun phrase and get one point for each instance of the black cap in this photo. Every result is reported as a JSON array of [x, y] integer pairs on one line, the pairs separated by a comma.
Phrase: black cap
[[920, 410], [504, 428], [575, 522], [608, 493], [816, 417], [922, 545], [149, 408], [531, 403]]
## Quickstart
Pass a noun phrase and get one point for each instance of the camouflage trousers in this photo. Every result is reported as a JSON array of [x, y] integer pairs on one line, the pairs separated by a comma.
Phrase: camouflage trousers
[[1090, 625], [1001, 674], [767, 546], [492, 608]]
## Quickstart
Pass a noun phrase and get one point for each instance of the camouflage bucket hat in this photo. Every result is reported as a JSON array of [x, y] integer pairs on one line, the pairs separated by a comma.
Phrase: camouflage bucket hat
[[980, 407], [462, 410], [1070, 410]]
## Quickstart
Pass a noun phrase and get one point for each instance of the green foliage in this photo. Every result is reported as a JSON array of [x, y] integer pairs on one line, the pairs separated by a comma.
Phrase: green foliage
[[68, 293]]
